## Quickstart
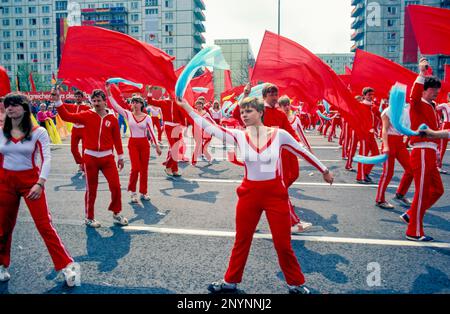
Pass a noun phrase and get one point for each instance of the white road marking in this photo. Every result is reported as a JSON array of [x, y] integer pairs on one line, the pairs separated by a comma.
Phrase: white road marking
[[216, 233]]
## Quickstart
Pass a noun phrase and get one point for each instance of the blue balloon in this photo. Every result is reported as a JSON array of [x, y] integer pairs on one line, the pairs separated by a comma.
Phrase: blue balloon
[[372, 160], [208, 57], [117, 80], [327, 106]]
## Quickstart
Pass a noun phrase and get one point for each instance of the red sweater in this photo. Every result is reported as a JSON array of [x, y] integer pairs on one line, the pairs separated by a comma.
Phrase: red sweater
[[422, 112], [73, 108], [101, 134], [170, 110]]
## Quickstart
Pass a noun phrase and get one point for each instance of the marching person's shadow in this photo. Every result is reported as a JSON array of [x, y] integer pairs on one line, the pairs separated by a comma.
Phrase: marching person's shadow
[[433, 281], [149, 213], [107, 251], [181, 184], [104, 289], [78, 181]]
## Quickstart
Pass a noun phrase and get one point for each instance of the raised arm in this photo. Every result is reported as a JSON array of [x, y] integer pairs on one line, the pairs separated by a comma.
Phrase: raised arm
[[207, 126], [112, 99]]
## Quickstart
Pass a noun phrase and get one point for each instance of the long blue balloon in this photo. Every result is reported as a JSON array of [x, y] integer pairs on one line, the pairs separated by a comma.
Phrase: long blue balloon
[[228, 108], [327, 106], [372, 160], [397, 100], [208, 57], [116, 80], [322, 116]]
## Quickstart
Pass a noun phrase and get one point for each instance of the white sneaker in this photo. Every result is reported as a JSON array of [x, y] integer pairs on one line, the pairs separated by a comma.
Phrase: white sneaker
[[301, 227], [120, 220], [134, 198], [4, 274], [70, 275], [92, 223], [145, 197]]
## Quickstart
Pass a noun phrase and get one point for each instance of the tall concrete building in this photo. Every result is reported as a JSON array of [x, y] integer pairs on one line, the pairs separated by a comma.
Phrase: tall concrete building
[[32, 31], [239, 55], [379, 27], [337, 61]]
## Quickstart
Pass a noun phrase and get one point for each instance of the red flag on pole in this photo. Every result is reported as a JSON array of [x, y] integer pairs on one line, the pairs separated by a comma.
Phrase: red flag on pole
[[99, 54], [33, 86], [228, 82], [5, 86], [432, 28], [301, 73]]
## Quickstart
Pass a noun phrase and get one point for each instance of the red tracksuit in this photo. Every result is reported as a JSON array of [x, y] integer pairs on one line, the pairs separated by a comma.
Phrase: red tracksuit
[[427, 180], [77, 132], [102, 135], [202, 140], [445, 110], [174, 120], [18, 174]]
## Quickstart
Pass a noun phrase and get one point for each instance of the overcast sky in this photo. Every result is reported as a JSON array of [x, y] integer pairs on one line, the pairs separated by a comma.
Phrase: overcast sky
[[322, 26]]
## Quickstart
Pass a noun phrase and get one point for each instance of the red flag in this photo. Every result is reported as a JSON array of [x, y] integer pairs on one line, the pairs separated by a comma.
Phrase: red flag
[[232, 93], [432, 28], [228, 82], [348, 71], [204, 80], [380, 73], [98, 54], [298, 72], [33, 86], [5, 86]]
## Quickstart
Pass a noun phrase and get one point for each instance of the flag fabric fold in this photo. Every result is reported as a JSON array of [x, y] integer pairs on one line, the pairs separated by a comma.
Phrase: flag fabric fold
[[5, 86]]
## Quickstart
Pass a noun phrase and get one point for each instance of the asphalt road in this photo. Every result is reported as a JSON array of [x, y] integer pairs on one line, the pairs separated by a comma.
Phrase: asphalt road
[[181, 240]]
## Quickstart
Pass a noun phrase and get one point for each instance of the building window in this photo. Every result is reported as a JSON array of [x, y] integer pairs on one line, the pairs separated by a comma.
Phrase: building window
[[47, 67], [392, 49], [19, 22], [169, 40], [151, 11], [151, 3], [168, 28], [45, 9], [6, 34], [134, 5], [391, 36], [46, 44], [5, 11], [60, 5], [134, 29], [32, 21], [19, 45], [61, 15], [33, 33], [169, 15], [169, 51], [5, 22], [19, 33], [18, 10], [392, 10], [31, 10], [47, 55], [168, 3], [33, 44], [135, 17], [6, 56], [46, 32], [20, 56], [46, 21], [390, 23], [6, 45], [33, 56]]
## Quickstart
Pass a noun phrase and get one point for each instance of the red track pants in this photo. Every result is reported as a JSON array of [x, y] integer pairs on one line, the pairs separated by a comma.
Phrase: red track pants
[[139, 150], [156, 122], [351, 150], [366, 146], [75, 138], [254, 198], [428, 188], [397, 150], [107, 166], [443, 145], [175, 137], [13, 186], [291, 172]]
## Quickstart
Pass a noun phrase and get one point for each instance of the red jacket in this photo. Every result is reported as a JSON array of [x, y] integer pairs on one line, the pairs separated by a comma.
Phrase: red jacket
[[170, 110], [101, 134], [422, 112]]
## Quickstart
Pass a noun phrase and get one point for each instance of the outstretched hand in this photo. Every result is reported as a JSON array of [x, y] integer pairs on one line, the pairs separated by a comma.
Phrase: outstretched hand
[[328, 177]]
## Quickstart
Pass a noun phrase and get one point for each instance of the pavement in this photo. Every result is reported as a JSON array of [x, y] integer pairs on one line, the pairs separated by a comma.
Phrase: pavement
[[181, 240]]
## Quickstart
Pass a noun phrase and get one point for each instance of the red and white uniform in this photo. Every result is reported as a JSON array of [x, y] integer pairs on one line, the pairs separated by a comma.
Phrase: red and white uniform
[[444, 109], [216, 115], [397, 151], [262, 190], [19, 172], [298, 127], [368, 145], [104, 135], [174, 120], [157, 116], [138, 146], [202, 140], [427, 180], [77, 132]]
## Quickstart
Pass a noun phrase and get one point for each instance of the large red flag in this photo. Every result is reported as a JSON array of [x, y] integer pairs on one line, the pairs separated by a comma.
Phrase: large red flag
[[231, 94], [205, 80], [447, 73], [228, 82], [298, 72], [33, 86], [98, 54], [5, 86], [432, 28]]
